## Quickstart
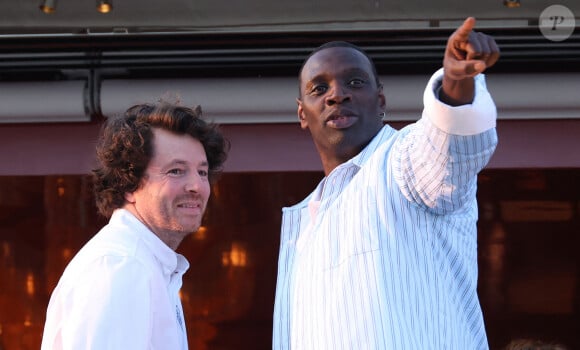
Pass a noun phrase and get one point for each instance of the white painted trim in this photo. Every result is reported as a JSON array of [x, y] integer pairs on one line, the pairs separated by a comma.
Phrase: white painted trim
[[273, 100], [42, 102]]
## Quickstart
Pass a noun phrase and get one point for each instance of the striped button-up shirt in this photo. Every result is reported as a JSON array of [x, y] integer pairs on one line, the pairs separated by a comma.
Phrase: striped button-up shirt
[[383, 253]]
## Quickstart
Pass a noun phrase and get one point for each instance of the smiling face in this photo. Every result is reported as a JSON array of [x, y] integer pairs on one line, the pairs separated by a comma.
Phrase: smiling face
[[340, 103], [173, 194]]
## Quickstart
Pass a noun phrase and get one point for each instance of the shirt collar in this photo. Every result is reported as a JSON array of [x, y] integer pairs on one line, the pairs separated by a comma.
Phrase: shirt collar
[[358, 161], [169, 259]]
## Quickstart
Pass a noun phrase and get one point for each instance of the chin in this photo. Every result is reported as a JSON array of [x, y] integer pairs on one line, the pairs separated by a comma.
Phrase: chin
[[187, 227], [193, 227]]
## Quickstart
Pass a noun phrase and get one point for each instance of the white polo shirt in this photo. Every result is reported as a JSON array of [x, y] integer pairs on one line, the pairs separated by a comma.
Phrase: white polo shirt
[[121, 291]]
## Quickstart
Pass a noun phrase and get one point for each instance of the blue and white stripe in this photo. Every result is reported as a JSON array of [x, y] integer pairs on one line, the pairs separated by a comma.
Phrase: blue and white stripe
[[389, 261]]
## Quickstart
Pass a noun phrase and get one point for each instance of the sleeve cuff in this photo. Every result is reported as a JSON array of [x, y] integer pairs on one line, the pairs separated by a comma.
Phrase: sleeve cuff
[[469, 119]]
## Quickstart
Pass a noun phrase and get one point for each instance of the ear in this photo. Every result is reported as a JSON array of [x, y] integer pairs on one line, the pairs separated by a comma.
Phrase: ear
[[130, 197], [382, 99], [301, 116]]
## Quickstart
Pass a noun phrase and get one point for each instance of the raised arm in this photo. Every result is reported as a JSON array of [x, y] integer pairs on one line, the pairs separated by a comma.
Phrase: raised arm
[[467, 54]]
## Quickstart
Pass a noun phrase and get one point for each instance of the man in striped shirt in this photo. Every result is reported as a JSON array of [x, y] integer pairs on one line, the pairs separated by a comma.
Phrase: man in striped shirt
[[383, 253]]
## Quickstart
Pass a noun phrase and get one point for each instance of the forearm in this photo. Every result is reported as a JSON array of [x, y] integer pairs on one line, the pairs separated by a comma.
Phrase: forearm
[[443, 152], [438, 170], [457, 92]]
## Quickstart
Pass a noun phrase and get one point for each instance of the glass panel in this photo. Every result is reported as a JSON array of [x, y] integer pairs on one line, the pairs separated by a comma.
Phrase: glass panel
[[528, 237]]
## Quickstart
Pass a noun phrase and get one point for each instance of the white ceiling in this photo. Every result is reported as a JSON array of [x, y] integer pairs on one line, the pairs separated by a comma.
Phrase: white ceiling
[[24, 16]]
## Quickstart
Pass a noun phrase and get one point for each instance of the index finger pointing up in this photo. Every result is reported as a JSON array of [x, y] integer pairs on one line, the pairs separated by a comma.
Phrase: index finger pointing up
[[462, 33]]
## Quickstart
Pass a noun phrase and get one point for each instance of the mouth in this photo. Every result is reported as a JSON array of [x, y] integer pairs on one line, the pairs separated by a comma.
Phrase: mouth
[[193, 207], [188, 205], [340, 120]]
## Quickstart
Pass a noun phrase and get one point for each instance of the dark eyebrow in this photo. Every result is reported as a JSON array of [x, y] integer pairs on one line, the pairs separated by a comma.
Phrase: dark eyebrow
[[357, 71], [323, 77], [347, 71], [315, 80], [184, 163]]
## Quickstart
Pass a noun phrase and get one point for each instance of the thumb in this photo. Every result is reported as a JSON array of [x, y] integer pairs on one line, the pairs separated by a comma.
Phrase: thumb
[[477, 67], [465, 69]]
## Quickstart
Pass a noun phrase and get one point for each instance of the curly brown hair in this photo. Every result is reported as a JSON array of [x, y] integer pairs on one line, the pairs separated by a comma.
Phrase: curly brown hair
[[125, 147]]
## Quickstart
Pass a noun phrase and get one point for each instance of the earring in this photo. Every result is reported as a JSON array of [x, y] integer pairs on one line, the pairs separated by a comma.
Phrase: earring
[[382, 115]]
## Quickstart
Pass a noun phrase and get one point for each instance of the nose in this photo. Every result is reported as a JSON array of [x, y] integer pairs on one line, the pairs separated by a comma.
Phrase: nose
[[193, 183], [338, 94]]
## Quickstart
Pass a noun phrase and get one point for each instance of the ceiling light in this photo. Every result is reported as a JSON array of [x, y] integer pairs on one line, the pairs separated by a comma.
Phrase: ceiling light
[[104, 6], [48, 6], [511, 3]]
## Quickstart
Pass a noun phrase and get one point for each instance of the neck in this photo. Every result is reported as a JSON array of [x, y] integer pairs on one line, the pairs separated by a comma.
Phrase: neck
[[171, 239], [330, 163]]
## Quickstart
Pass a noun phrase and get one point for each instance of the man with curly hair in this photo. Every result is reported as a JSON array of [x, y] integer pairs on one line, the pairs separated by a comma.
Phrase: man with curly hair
[[121, 291]]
